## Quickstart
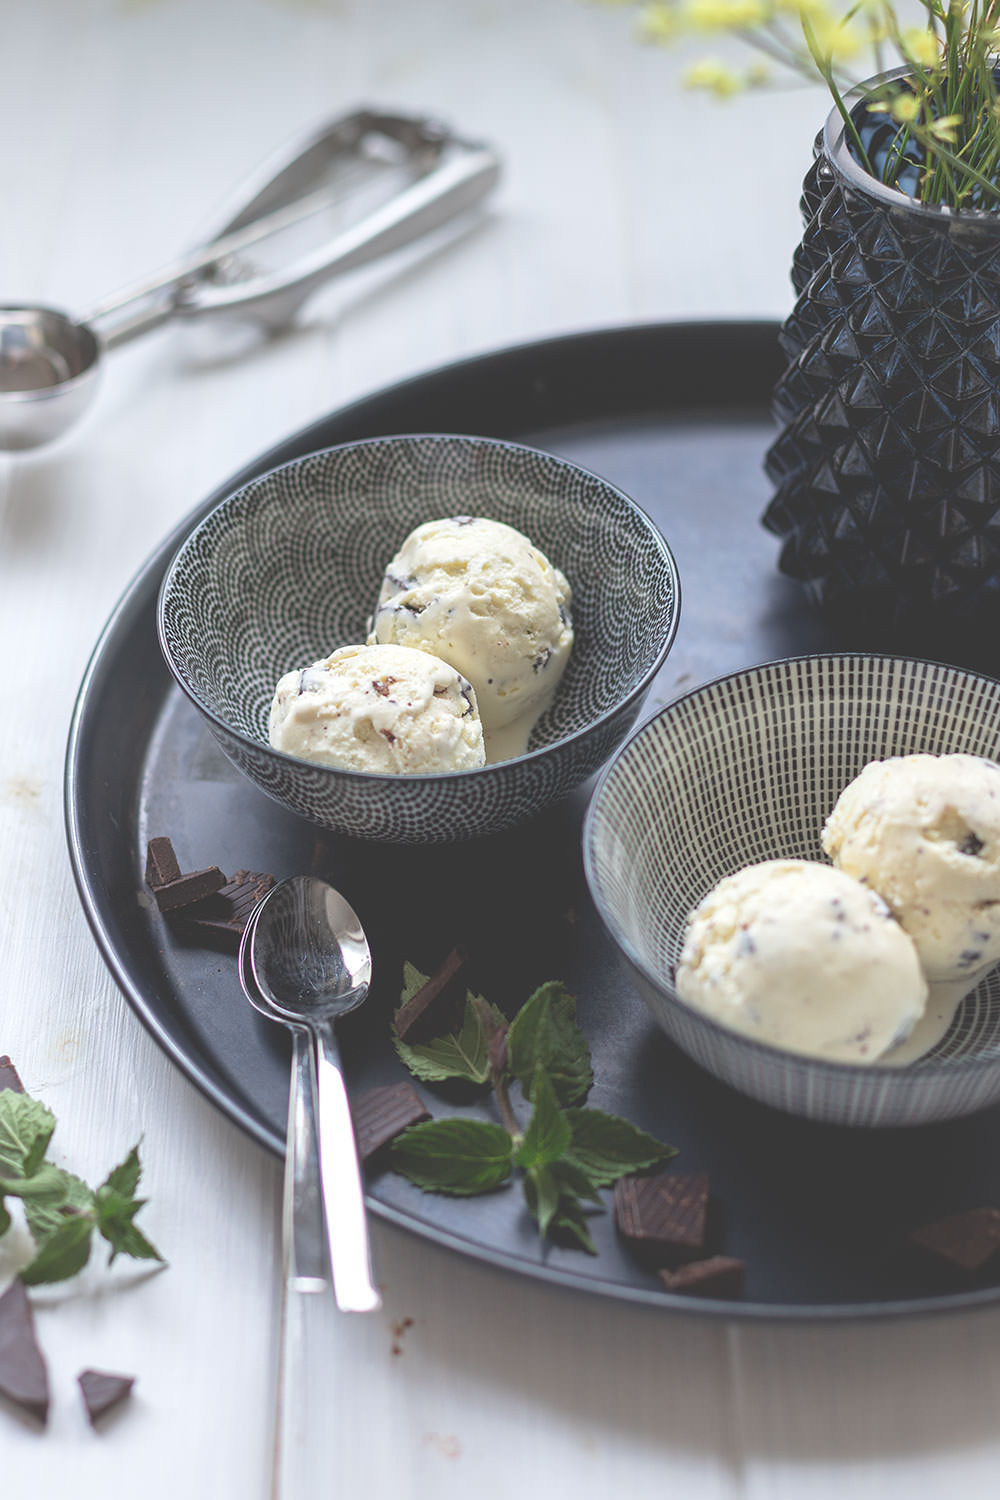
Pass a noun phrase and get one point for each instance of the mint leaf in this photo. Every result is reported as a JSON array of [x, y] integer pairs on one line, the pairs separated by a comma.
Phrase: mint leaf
[[607, 1147], [544, 1034], [542, 1194], [576, 1180], [125, 1177], [5, 1220], [115, 1214], [46, 1211], [26, 1127], [456, 1156], [65, 1252], [571, 1222], [115, 1207], [548, 1133], [463, 1054]]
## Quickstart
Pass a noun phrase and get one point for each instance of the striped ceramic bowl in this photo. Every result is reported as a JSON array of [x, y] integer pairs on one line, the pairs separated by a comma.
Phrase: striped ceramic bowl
[[747, 768]]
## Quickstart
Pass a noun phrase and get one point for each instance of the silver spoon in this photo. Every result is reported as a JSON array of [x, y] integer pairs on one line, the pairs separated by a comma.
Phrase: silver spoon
[[305, 1255], [309, 962]]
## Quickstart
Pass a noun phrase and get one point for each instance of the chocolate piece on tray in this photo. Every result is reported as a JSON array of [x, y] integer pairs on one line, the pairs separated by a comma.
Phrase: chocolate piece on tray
[[381, 1113], [187, 889], [718, 1276], [8, 1076], [227, 911], [161, 863], [664, 1216], [428, 1012], [102, 1390], [965, 1242], [24, 1378]]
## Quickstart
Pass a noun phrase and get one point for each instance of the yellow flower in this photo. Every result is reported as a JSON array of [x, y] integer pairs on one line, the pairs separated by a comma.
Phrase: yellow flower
[[659, 22], [905, 108], [838, 42], [921, 46], [724, 15], [714, 76], [946, 128]]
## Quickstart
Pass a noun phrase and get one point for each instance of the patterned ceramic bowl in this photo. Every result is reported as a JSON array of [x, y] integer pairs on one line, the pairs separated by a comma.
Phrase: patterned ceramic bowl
[[745, 769], [289, 568]]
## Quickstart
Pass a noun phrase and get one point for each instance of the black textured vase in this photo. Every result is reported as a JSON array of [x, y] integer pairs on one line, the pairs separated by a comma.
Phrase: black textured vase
[[887, 467]]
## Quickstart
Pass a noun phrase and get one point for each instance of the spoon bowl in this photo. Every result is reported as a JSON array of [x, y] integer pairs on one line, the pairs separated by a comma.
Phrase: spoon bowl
[[310, 958]]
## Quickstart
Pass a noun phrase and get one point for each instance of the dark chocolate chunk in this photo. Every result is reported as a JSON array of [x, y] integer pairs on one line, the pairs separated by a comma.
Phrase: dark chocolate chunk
[[665, 1216], [161, 863], [963, 1241], [971, 844], [228, 910], [102, 1391], [24, 1378], [8, 1076], [429, 1012], [718, 1276], [379, 1115], [187, 889]]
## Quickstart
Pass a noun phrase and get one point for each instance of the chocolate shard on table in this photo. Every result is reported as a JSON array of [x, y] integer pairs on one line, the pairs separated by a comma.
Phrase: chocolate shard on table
[[964, 1243], [227, 911], [162, 865], [102, 1391], [8, 1076], [664, 1217], [187, 889], [380, 1114], [24, 1377], [435, 1008], [717, 1276]]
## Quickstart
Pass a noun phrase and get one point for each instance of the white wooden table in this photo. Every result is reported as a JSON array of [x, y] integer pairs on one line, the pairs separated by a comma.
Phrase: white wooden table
[[128, 121]]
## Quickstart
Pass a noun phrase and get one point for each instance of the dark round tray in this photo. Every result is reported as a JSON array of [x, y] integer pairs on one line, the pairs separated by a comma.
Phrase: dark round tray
[[676, 415]]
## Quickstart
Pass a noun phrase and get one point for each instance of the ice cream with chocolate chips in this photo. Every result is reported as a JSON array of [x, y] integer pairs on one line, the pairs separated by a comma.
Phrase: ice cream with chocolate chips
[[387, 709], [481, 596], [801, 956]]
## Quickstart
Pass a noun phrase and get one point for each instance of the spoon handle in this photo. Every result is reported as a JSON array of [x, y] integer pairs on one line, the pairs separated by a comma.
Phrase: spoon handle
[[303, 1233], [340, 1175]]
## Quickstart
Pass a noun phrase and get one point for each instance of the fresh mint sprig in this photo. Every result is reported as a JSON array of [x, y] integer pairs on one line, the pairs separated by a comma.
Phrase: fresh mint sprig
[[62, 1213], [565, 1152]]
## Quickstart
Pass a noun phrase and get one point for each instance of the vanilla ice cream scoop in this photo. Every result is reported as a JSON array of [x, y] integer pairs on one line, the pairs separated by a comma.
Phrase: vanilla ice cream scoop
[[481, 596], [924, 832], [379, 708], [802, 957]]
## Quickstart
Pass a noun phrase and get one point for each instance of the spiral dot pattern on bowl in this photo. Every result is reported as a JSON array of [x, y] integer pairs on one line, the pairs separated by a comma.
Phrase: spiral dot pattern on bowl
[[746, 769], [289, 568]]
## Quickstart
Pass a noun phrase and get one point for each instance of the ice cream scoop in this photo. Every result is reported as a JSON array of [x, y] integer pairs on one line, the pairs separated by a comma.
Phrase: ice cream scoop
[[387, 709], [803, 957], [481, 596], [924, 832]]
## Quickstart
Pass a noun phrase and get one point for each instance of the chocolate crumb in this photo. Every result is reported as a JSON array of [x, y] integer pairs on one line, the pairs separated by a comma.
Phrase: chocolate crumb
[[382, 685], [718, 1276], [971, 844], [161, 863], [380, 1114], [965, 1241], [8, 1076], [24, 1377], [102, 1391], [420, 1015], [388, 735], [398, 1330], [664, 1216]]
